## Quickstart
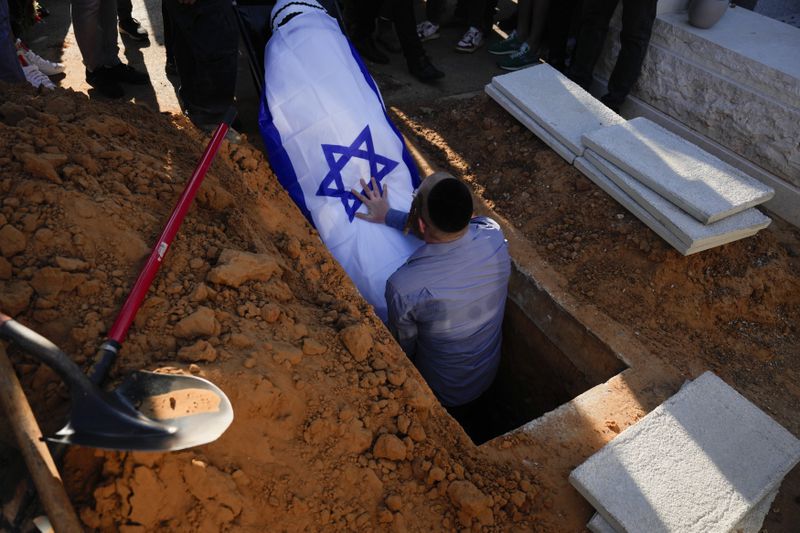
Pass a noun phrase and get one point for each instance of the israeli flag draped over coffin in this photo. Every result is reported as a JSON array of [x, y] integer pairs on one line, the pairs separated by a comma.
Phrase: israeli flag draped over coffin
[[325, 127]]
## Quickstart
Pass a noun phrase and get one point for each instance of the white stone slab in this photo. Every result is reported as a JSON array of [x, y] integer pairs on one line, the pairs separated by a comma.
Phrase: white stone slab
[[698, 463], [529, 123], [598, 525], [702, 185], [685, 227], [613, 190], [556, 103], [751, 523]]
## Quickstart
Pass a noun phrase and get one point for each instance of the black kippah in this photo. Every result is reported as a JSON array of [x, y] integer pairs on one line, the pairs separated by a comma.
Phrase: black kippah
[[450, 205]]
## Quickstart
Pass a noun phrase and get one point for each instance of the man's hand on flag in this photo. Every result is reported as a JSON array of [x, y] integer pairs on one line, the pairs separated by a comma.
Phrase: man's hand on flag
[[377, 203]]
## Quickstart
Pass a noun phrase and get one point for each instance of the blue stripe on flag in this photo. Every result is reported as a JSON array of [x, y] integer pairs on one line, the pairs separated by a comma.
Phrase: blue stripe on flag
[[279, 159]]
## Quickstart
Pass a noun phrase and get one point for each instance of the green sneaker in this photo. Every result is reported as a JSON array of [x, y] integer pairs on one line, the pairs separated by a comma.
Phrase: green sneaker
[[522, 58], [507, 46]]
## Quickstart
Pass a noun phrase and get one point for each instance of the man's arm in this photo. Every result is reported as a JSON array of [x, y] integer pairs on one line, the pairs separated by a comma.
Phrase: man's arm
[[401, 324]]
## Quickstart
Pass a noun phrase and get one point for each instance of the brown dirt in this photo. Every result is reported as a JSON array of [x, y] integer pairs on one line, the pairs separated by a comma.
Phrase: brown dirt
[[333, 428], [734, 310]]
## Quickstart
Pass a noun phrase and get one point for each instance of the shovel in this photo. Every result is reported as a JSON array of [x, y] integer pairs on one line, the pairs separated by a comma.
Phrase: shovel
[[148, 411]]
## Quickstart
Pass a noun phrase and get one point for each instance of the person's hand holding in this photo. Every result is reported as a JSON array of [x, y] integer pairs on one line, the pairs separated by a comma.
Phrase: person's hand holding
[[377, 203]]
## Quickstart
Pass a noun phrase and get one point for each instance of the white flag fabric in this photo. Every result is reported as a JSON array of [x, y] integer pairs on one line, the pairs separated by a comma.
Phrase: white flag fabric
[[325, 127]]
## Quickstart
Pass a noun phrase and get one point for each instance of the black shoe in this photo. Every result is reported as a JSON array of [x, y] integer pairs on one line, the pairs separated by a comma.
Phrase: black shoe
[[104, 83], [368, 50], [123, 73], [133, 29], [612, 103], [422, 69]]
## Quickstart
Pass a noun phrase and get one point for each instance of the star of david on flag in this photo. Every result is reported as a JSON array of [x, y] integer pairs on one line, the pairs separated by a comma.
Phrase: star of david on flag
[[337, 157]]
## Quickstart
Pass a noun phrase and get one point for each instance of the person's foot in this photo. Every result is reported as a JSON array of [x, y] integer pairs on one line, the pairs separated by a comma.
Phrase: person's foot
[[506, 46], [132, 29], [368, 50], [104, 83], [422, 69], [123, 73], [471, 41], [427, 31], [35, 76], [48, 68], [612, 103], [524, 57]]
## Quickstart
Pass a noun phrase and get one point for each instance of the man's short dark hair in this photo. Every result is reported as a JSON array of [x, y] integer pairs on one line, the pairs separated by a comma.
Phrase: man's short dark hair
[[450, 205]]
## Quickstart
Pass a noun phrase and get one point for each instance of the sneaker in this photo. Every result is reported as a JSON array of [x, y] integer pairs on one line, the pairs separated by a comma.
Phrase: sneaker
[[133, 29], [427, 31], [422, 69], [104, 82], [48, 68], [522, 58], [35, 76], [123, 73], [471, 41], [507, 46]]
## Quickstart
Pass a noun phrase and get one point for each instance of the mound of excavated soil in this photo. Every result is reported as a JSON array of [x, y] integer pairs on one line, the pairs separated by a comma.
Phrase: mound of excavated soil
[[333, 428]]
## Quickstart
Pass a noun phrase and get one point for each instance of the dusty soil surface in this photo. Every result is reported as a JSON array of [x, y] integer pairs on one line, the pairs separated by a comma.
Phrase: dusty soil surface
[[333, 428], [734, 310]]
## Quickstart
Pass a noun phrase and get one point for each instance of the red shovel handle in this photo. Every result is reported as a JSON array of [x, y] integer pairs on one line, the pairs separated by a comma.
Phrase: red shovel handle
[[126, 315]]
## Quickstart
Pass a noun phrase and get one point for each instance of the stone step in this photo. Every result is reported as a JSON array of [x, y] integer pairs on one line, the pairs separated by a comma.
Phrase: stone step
[[686, 228], [529, 123], [702, 185], [698, 463], [557, 104], [604, 182]]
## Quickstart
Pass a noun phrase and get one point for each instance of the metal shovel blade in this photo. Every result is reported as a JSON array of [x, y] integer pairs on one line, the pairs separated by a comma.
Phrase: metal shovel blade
[[150, 412]]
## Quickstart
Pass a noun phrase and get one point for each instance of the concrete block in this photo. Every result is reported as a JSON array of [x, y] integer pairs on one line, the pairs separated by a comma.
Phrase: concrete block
[[556, 103], [753, 521], [698, 463], [785, 203], [598, 525], [613, 190], [686, 228], [531, 124], [702, 185]]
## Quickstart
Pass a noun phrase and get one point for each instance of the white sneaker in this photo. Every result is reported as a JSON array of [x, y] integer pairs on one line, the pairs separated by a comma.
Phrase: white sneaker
[[471, 41], [34, 75], [427, 31], [47, 68]]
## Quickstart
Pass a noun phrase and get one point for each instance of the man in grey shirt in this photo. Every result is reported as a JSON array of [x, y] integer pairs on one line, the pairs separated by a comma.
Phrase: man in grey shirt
[[446, 302]]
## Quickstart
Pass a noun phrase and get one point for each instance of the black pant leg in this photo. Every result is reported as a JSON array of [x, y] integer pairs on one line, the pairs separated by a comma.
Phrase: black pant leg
[[363, 20], [434, 10], [206, 47], [595, 17], [124, 9], [559, 20], [405, 24], [637, 25], [476, 14], [167, 23]]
